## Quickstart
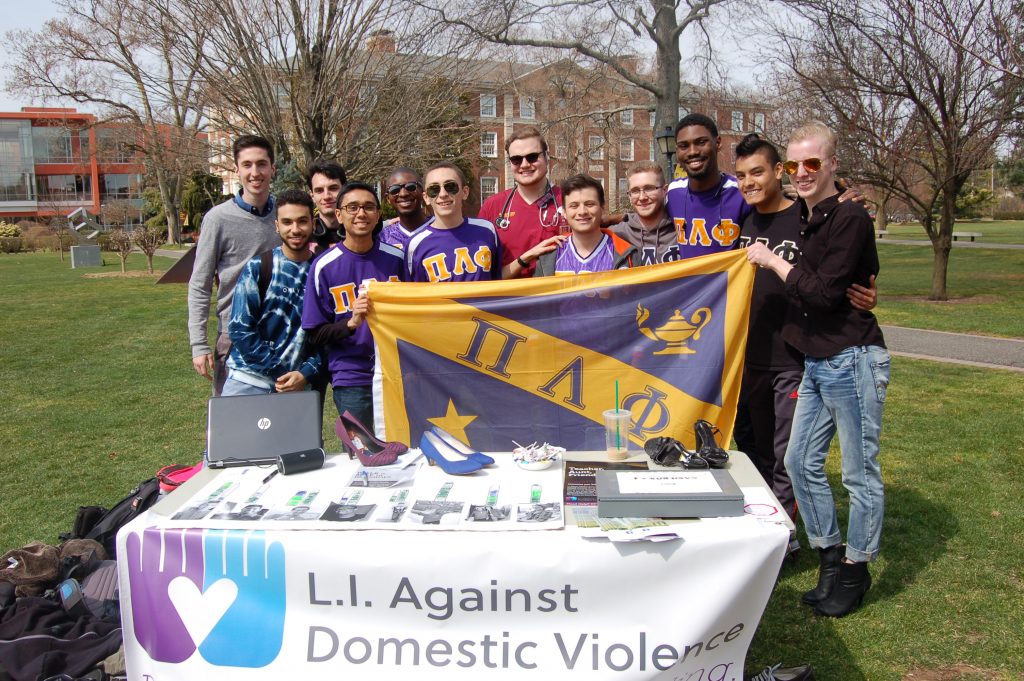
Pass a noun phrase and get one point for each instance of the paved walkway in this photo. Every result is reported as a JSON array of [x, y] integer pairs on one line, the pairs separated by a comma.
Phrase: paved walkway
[[939, 346], [956, 244], [956, 348]]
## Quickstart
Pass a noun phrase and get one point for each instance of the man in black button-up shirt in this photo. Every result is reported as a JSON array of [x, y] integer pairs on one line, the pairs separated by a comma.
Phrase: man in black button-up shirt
[[846, 371]]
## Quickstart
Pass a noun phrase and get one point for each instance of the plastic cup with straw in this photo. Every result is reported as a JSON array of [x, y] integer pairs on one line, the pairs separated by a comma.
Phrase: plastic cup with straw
[[614, 420]]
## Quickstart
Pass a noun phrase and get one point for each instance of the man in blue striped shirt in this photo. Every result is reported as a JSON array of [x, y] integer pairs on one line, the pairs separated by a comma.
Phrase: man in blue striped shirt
[[269, 351]]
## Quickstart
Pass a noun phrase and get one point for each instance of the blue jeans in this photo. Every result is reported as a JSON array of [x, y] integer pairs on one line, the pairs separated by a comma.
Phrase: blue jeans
[[357, 399], [234, 387], [844, 393]]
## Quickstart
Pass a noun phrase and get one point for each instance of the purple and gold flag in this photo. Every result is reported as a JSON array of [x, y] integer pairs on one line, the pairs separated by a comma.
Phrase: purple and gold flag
[[537, 359]]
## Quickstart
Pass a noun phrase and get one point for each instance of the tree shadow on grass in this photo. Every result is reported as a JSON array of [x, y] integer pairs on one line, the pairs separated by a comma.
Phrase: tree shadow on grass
[[915, 534]]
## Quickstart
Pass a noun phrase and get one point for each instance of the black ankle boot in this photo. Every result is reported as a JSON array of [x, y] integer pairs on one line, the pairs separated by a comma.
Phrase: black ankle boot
[[854, 581], [827, 574]]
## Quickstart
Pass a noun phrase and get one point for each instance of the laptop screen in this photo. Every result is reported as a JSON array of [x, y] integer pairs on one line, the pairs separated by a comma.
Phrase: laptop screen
[[245, 427]]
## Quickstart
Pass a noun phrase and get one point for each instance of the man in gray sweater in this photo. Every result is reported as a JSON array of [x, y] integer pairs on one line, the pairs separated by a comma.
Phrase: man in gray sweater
[[232, 234], [649, 227]]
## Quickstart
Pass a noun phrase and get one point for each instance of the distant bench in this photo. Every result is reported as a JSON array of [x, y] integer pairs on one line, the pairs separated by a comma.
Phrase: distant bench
[[880, 233], [965, 235]]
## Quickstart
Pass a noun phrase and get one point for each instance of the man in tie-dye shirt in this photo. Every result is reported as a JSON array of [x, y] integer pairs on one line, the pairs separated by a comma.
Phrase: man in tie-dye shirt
[[268, 351]]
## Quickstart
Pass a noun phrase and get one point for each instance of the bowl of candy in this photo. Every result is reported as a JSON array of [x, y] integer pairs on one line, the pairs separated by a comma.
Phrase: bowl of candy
[[536, 457]]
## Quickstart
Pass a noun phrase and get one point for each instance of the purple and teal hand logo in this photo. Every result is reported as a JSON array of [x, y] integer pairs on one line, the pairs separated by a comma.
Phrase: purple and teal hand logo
[[221, 591]]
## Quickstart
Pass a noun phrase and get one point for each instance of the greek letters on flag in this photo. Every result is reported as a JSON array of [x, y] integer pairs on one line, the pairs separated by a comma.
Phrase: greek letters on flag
[[538, 359]]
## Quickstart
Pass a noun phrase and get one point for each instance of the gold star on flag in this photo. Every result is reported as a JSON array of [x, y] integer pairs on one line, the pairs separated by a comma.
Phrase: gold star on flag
[[453, 422]]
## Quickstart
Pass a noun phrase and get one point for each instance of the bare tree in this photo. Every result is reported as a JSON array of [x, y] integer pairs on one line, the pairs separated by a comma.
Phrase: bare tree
[[922, 113], [147, 240], [121, 243], [117, 54], [326, 79], [603, 31]]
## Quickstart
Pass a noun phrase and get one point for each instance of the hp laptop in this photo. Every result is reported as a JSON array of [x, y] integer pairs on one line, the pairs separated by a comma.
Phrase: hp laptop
[[254, 428]]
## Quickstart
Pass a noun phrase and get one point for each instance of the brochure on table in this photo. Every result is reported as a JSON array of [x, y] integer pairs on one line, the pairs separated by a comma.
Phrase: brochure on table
[[409, 495]]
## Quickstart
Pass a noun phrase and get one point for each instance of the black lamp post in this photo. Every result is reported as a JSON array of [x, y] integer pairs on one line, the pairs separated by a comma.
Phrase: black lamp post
[[667, 143]]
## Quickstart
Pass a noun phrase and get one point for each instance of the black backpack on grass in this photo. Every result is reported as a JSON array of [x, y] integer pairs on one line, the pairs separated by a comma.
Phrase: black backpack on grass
[[101, 524]]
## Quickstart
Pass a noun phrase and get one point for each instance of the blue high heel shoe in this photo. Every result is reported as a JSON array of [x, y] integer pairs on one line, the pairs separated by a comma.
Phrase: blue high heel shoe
[[434, 448], [461, 447]]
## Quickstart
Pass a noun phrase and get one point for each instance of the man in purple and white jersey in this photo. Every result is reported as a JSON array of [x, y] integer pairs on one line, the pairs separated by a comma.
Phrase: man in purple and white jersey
[[706, 206], [452, 247], [588, 248], [405, 194], [336, 304]]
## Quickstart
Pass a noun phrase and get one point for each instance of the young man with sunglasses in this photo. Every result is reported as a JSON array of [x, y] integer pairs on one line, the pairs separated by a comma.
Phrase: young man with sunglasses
[[336, 303], [846, 371], [528, 213], [648, 227], [405, 194], [325, 179], [451, 247]]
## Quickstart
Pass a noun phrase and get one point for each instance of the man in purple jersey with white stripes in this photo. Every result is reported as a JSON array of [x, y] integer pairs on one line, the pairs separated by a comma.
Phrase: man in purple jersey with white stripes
[[405, 194], [336, 304], [706, 205], [452, 247]]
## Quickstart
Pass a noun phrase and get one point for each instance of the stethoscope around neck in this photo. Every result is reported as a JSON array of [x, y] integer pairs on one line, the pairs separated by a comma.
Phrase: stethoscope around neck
[[548, 199]]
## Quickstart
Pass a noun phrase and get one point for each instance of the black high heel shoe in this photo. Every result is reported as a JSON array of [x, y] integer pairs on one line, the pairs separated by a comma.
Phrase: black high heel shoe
[[668, 451], [707, 447]]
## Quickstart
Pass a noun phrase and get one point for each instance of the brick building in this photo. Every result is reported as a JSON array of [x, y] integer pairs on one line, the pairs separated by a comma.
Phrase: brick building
[[54, 160]]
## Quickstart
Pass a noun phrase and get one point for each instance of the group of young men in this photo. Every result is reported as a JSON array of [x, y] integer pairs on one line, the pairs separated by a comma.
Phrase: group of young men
[[816, 362]]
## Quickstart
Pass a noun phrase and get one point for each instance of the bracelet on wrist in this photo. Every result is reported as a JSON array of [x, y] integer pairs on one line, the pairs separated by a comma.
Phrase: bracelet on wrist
[[522, 263]]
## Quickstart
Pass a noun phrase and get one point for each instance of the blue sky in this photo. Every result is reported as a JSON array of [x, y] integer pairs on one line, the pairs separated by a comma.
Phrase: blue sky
[[19, 15]]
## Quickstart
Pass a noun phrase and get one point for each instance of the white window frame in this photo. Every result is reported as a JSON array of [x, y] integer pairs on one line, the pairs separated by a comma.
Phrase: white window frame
[[626, 117], [737, 120], [488, 106], [627, 149], [485, 193], [759, 122], [654, 119], [595, 147], [623, 187], [527, 108], [489, 144]]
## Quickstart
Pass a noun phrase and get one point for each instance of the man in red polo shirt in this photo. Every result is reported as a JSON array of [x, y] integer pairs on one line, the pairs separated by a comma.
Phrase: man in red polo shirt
[[531, 211]]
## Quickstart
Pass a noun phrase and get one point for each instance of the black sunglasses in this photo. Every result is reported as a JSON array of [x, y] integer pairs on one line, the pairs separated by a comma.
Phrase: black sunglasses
[[517, 160], [451, 186], [410, 187]]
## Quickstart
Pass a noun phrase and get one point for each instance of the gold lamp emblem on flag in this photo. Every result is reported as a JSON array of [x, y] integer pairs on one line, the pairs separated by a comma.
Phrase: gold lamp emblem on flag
[[676, 332]]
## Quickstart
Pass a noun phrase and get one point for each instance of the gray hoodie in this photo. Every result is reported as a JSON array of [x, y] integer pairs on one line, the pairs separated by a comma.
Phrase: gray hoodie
[[653, 246]]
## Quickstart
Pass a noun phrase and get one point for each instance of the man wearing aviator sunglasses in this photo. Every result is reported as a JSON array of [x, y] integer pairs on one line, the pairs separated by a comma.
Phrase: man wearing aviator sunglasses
[[528, 213], [451, 247], [846, 371], [404, 188]]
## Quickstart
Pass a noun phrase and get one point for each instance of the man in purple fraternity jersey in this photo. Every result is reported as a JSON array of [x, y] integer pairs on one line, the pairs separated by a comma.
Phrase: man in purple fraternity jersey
[[405, 194], [336, 304], [588, 248], [706, 205], [452, 247]]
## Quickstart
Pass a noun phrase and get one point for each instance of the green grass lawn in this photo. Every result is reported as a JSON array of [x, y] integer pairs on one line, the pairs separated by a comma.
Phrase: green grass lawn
[[98, 392], [993, 231], [985, 287]]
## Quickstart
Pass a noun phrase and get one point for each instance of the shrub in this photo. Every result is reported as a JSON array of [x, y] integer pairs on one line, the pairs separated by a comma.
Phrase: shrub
[[10, 244], [1008, 215], [38, 237], [9, 231]]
